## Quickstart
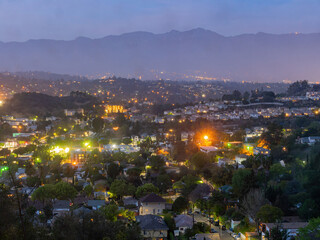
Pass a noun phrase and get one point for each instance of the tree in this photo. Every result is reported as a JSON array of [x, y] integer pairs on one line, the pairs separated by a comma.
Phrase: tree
[[33, 181], [146, 189], [311, 231], [252, 202], [24, 150], [121, 188], [236, 95], [277, 170], [134, 176], [238, 135], [221, 176], [179, 151], [69, 172], [199, 160], [66, 227], [119, 120], [309, 209], [93, 226], [110, 212], [113, 170], [278, 233], [134, 172], [180, 204], [187, 183], [268, 96], [242, 181], [269, 214], [156, 162], [298, 88], [65, 191], [168, 219], [130, 215], [246, 97], [5, 152], [273, 135], [44, 193], [163, 182], [97, 124], [126, 140], [88, 190], [146, 145], [8, 216], [30, 169]]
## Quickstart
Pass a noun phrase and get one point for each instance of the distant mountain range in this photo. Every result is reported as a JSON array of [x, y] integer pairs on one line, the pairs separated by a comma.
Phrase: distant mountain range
[[174, 55]]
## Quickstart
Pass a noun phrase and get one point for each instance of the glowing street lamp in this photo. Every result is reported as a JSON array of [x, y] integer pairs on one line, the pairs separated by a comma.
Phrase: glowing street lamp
[[56, 149], [205, 137]]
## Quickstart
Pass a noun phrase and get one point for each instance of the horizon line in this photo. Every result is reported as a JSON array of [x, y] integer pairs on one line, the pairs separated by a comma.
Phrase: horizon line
[[162, 33]]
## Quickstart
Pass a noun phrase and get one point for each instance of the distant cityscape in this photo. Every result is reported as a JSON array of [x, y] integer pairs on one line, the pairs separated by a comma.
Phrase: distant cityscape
[[162, 159]]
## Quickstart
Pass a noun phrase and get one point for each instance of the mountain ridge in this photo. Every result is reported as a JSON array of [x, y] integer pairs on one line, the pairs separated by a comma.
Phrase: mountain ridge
[[260, 57], [199, 29]]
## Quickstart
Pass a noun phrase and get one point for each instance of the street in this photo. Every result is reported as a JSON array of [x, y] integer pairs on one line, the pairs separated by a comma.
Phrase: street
[[222, 235]]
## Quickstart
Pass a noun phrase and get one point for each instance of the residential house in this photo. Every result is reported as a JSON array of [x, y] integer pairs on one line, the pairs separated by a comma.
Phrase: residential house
[[308, 140], [241, 158], [261, 150], [130, 201], [208, 149], [152, 227], [291, 227], [96, 204], [183, 222], [61, 207], [152, 204]]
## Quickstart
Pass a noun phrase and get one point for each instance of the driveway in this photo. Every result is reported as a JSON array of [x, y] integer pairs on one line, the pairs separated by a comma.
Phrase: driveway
[[222, 235]]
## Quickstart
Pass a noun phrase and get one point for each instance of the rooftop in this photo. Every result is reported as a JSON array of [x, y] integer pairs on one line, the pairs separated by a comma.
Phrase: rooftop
[[151, 222], [152, 197]]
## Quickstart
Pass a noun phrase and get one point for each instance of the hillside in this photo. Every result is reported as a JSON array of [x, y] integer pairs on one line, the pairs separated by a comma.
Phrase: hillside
[[30, 104], [251, 57]]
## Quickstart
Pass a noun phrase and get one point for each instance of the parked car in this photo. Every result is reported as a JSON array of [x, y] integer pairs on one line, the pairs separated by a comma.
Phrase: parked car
[[213, 231], [235, 235]]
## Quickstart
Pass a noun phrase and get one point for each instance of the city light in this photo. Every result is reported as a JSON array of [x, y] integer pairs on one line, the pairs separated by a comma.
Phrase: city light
[[5, 168], [56, 149], [205, 137]]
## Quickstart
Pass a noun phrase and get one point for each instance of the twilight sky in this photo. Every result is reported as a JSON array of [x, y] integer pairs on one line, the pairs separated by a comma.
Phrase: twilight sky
[[21, 20]]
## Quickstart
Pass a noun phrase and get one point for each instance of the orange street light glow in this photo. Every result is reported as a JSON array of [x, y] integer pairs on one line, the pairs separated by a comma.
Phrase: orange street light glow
[[205, 137]]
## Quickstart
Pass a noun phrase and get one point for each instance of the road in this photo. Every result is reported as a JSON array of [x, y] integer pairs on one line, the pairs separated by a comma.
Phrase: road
[[222, 235]]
